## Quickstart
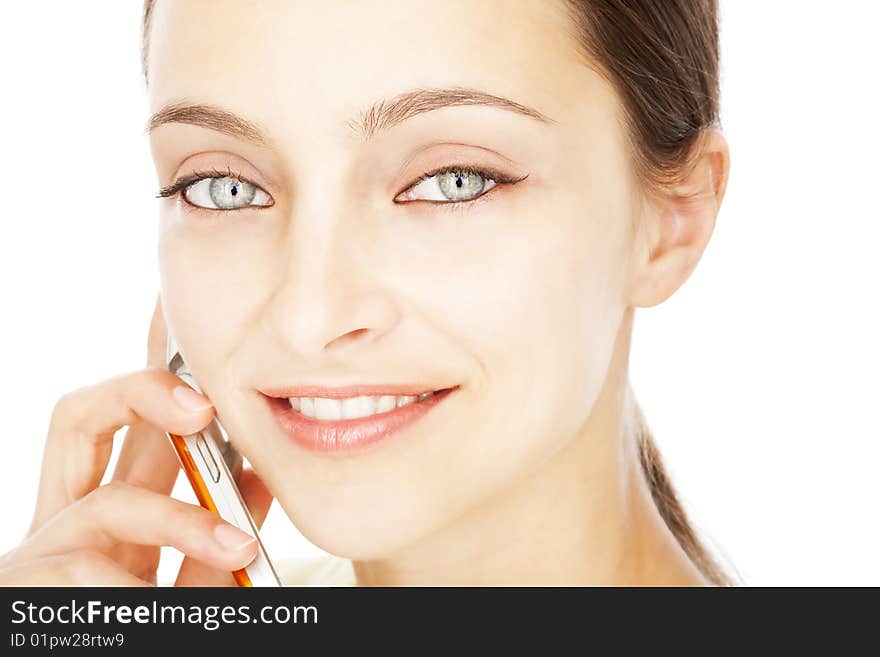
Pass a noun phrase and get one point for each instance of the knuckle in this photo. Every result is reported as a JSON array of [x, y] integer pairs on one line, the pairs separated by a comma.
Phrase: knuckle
[[115, 391], [154, 371], [99, 499], [156, 375], [66, 407], [73, 409]]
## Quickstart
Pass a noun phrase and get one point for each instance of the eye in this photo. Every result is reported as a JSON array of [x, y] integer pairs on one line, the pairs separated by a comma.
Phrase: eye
[[454, 185], [214, 190], [226, 193]]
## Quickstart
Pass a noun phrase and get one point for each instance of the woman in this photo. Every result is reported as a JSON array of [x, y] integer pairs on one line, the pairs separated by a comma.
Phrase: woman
[[401, 248]]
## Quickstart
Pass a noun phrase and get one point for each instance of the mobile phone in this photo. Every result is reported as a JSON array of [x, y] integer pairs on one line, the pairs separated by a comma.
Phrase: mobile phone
[[212, 465]]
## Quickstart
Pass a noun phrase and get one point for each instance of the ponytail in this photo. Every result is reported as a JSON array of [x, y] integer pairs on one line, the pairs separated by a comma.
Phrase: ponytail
[[670, 508]]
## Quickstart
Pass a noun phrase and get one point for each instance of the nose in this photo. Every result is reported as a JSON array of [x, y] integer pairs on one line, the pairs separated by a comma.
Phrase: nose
[[327, 297]]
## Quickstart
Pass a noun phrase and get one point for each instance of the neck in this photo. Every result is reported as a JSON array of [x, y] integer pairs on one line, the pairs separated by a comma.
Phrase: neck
[[584, 517]]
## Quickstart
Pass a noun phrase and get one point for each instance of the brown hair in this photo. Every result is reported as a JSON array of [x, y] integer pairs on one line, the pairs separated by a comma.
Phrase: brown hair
[[662, 58]]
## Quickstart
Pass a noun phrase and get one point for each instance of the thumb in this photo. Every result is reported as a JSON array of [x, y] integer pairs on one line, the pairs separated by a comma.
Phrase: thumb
[[258, 499]]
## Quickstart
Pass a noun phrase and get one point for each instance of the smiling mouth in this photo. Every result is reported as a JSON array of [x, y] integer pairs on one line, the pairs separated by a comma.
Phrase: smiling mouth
[[350, 408], [337, 424]]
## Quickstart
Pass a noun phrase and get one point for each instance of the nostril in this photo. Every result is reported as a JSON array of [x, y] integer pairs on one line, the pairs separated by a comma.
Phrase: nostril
[[351, 335]]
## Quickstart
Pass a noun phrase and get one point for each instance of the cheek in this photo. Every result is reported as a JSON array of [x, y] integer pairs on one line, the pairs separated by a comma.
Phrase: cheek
[[540, 304], [538, 309], [212, 284], [550, 353]]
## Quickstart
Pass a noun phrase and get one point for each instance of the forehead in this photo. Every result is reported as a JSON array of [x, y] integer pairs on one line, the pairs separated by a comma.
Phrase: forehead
[[309, 65]]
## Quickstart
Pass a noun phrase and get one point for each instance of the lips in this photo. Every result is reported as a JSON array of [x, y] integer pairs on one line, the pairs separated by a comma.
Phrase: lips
[[342, 392], [349, 435]]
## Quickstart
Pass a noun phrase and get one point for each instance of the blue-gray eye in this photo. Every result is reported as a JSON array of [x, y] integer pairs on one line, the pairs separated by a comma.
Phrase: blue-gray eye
[[226, 193], [450, 185]]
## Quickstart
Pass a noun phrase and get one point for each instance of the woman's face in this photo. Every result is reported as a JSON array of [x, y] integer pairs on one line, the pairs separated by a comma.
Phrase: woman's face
[[331, 276]]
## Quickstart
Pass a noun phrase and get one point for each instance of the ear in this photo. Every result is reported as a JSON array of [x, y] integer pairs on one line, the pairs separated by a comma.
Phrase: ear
[[676, 225]]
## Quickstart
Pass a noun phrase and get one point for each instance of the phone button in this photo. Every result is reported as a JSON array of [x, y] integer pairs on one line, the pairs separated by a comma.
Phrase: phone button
[[208, 458]]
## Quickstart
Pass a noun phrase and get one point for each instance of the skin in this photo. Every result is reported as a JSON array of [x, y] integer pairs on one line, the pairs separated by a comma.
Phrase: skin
[[524, 300]]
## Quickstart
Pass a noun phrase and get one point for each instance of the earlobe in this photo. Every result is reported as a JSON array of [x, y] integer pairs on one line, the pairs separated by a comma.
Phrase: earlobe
[[680, 223]]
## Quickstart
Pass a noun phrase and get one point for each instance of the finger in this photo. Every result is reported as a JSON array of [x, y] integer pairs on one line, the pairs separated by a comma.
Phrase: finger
[[84, 422], [121, 513], [258, 499], [80, 568], [146, 457]]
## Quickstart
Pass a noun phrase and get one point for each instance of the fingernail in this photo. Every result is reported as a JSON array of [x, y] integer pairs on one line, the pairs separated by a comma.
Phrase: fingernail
[[190, 399], [231, 538]]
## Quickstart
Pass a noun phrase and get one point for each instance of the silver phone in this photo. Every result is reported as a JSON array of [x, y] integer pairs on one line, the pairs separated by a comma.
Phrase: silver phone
[[212, 465]]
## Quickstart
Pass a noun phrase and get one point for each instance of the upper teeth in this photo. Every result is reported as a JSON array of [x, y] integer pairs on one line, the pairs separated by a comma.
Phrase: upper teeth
[[322, 408]]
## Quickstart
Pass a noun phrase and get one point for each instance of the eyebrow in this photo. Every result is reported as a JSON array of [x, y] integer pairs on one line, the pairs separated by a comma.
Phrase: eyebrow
[[385, 114], [208, 116], [380, 116]]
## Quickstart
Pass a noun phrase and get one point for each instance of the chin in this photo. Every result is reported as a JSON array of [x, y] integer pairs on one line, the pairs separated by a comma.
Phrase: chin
[[365, 532]]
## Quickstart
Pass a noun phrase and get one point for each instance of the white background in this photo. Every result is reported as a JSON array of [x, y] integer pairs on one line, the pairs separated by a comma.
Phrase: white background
[[758, 378]]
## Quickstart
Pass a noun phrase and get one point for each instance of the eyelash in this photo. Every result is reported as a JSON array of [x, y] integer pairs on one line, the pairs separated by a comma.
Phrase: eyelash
[[185, 181], [498, 177]]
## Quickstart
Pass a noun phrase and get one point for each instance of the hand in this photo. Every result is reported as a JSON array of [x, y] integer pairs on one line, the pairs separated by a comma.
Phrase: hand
[[83, 533]]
